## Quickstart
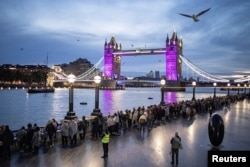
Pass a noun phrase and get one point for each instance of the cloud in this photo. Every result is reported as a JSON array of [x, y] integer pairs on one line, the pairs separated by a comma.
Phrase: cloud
[[72, 29]]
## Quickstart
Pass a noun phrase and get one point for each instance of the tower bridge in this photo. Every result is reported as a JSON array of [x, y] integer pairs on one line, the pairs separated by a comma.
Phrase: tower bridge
[[113, 53], [109, 66]]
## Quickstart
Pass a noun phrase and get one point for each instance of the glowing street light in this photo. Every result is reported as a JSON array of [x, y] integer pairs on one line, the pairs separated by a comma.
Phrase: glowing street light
[[71, 114], [194, 85], [163, 83], [228, 87], [97, 80], [214, 84], [238, 88]]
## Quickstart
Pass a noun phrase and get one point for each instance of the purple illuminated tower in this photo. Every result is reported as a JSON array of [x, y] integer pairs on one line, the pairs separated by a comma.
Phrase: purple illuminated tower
[[173, 62], [112, 63]]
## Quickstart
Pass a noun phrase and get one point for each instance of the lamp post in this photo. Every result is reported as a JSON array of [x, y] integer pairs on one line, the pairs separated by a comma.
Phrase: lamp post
[[97, 80], [245, 88], [214, 84], [228, 86], [238, 88], [194, 85], [249, 89], [163, 82], [71, 114]]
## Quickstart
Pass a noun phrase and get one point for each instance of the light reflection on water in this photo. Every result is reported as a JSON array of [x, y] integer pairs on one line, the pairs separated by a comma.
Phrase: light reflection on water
[[19, 108]]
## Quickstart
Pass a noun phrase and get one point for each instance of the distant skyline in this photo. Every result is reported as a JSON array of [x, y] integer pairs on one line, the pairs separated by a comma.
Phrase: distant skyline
[[66, 30]]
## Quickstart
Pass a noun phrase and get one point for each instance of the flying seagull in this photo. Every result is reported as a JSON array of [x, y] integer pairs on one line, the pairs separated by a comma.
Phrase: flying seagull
[[195, 17]]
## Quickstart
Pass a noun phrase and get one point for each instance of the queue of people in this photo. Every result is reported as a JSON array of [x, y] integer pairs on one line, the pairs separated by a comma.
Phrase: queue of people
[[153, 115]]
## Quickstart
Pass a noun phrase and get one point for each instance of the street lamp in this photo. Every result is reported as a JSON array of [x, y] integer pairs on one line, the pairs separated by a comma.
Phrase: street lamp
[[71, 114], [245, 88], [238, 88], [194, 85], [249, 89], [214, 84], [97, 80], [228, 86], [163, 82]]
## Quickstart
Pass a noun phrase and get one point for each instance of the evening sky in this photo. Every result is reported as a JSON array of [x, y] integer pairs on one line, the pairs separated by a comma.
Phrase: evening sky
[[68, 29]]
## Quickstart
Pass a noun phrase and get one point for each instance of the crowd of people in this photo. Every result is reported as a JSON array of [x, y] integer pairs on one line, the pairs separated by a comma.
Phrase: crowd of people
[[152, 115], [31, 138]]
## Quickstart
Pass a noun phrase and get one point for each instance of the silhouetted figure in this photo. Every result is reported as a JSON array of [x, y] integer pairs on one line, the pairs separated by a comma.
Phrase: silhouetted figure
[[30, 132], [36, 140], [7, 141], [95, 129], [51, 130], [21, 138], [82, 128]]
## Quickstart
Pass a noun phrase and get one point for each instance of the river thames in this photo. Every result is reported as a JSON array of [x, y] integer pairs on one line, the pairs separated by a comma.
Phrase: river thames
[[18, 108]]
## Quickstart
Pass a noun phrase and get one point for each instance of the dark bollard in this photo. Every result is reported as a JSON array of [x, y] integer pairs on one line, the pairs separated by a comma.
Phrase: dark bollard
[[216, 129]]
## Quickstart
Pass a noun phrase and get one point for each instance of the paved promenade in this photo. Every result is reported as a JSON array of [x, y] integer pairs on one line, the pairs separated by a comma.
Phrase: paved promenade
[[131, 149]]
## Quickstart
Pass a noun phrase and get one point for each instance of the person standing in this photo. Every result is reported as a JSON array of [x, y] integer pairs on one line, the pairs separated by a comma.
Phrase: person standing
[[73, 132], [36, 140], [105, 143], [55, 123], [30, 133], [7, 139], [21, 138], [80, 129], [64, 133], [51, 130], [95, 128], [175, 146]]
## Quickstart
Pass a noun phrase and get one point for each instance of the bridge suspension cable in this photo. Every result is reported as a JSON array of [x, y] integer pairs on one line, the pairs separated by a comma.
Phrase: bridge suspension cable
[[244, 79], [201, 72], [90, 73]]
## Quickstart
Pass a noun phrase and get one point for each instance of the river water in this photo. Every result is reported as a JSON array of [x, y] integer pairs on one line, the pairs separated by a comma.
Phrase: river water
[[17, 107]]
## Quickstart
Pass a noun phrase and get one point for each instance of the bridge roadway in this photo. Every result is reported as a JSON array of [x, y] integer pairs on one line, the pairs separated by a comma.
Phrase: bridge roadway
[[131, 149]]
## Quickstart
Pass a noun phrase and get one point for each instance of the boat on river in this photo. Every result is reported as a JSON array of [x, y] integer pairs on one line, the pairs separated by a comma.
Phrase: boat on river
[[41, 90]]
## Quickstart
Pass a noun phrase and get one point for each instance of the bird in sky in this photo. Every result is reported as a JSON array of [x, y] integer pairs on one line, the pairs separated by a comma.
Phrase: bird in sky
[[195, 17], [21, 49]]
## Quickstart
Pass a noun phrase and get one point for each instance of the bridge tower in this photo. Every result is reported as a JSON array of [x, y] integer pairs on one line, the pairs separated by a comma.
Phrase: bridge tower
[[173, 62], [112, 63]]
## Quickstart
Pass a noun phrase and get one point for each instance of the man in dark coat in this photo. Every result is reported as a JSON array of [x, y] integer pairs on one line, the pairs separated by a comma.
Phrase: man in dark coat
[[51, 130], [7, 139]]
